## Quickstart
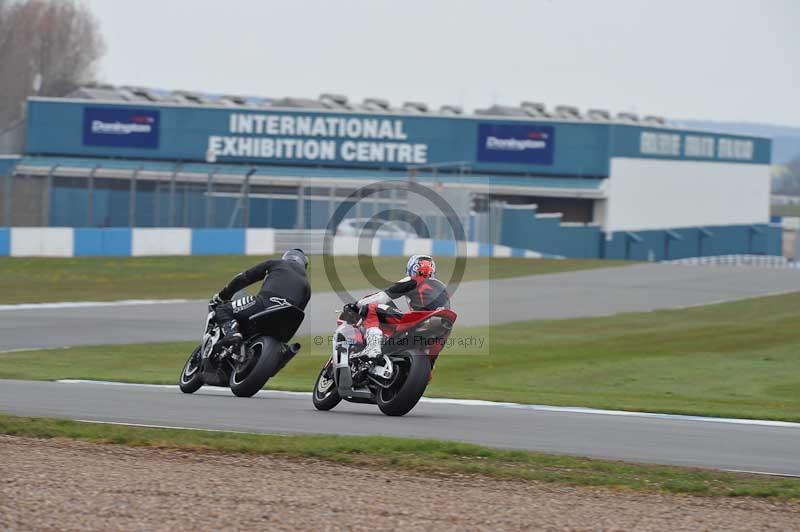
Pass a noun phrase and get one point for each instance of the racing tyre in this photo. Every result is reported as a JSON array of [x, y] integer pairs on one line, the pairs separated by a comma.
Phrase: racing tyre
[[191, 377], [250, 376], [326, 396], [410, 384]]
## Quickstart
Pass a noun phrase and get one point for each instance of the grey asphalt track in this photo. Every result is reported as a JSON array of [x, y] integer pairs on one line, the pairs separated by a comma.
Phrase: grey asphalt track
[[641, 287], [688, 442]]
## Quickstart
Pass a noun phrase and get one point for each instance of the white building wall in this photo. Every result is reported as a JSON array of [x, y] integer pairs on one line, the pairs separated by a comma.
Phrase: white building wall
[[655, 194]]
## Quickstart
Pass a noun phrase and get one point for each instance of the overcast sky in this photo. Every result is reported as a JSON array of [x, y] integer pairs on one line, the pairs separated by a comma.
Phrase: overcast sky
[[709, 59]]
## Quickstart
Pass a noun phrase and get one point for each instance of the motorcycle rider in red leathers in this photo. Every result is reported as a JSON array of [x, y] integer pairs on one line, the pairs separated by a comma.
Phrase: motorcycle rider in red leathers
[[420, 287]]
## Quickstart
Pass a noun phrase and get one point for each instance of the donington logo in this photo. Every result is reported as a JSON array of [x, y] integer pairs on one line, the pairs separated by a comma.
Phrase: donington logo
[[516, 144], [137, 124], [536, 140], [120, 127]]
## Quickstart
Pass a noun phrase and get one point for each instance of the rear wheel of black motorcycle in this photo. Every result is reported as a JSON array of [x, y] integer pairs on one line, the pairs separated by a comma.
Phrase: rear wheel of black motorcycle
[[248, 378], [191, 377], [326, 396], [405, 393]]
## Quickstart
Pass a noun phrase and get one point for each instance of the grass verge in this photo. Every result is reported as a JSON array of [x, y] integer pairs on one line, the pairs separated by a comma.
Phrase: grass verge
[[785, 210], [426, 456], [35, 280], [735, 359]]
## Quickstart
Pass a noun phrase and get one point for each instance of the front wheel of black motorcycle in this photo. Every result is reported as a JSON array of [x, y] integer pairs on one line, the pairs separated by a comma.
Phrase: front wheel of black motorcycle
[[326, 396], [191, 377], [408, 387], [249, 377]]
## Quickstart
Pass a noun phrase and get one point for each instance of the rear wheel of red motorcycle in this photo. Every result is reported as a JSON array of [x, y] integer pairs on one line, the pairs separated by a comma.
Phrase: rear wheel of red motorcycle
[[405, 393], [326, 396]]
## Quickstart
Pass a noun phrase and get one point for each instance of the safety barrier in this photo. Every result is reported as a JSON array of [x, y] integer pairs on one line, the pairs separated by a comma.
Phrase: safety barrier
[[523, 226], [754, 261], [139, 242]]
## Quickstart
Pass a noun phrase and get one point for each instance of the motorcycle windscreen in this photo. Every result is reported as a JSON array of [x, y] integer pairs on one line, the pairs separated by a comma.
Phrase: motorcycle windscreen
[[281, 324]]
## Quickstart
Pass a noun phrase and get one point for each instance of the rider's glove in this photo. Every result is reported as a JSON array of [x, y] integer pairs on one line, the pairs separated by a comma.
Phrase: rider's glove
[[352, 307], [215, 301]]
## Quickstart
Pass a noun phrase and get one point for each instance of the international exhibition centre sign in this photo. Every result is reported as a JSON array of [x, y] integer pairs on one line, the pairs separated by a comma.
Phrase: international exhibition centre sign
[[317, 138]]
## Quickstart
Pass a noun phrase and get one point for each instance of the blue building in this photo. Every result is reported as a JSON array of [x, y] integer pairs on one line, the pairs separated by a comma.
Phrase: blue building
[[554, 181]]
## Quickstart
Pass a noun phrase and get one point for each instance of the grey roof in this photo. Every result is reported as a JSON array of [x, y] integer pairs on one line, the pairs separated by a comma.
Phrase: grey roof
[[332, 101]]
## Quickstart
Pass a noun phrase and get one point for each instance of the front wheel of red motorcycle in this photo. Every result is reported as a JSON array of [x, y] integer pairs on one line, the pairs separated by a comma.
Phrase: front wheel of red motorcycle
[[326, 396], [408, 387]]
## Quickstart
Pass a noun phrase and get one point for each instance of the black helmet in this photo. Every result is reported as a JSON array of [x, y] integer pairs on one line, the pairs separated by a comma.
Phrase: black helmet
[[296, 255]]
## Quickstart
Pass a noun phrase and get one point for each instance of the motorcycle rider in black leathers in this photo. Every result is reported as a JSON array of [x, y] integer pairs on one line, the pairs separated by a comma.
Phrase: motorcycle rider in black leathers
[[284, 279]]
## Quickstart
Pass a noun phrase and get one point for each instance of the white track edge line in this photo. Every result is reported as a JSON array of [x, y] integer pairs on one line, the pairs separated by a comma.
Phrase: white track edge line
[[149, 426], [790, 475], [23, 349], [736, 299], [497, 404], [171, 427]]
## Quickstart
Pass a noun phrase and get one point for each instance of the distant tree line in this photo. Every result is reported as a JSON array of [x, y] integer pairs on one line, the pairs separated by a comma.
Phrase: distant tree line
[[788, 179], [47, 48]]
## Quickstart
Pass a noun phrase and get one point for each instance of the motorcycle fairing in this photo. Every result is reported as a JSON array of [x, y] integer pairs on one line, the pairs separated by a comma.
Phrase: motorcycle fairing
[[348, 339]]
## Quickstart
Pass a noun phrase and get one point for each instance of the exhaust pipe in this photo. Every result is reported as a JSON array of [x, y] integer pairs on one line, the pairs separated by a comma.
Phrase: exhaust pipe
[[287, 353]]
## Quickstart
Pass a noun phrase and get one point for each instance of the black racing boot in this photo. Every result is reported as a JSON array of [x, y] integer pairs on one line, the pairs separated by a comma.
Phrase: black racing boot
[[232, 336]]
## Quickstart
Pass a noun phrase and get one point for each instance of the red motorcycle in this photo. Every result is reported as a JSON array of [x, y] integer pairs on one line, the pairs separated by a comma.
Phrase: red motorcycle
[[394, 381]]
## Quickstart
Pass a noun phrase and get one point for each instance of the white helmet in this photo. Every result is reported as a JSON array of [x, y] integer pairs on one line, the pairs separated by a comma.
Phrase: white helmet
[[421, 265]]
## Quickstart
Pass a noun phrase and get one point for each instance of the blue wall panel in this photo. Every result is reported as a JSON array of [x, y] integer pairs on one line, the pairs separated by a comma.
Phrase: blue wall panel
[[443, 248], [117, 241], [523, 229], [774, 240], [90, 242], [639, 245], [259, 212], [316, 214], [68, 207], [218, 242], [145, 208], [283, 214], [724, 240], [687, 247], [485, 250], [109, 208], [7, 165], [391, 247], [5, 242]]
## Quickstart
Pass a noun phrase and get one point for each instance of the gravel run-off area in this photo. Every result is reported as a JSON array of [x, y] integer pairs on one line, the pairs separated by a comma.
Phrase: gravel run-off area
[[73, 485]]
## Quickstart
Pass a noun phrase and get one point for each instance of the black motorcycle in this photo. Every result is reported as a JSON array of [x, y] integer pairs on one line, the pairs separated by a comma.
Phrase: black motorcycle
[[247, 368]]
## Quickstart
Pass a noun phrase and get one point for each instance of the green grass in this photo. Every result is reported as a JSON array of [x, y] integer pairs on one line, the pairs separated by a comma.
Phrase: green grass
[[426, 456], [34, 280], [785, 210], [739, 359]]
